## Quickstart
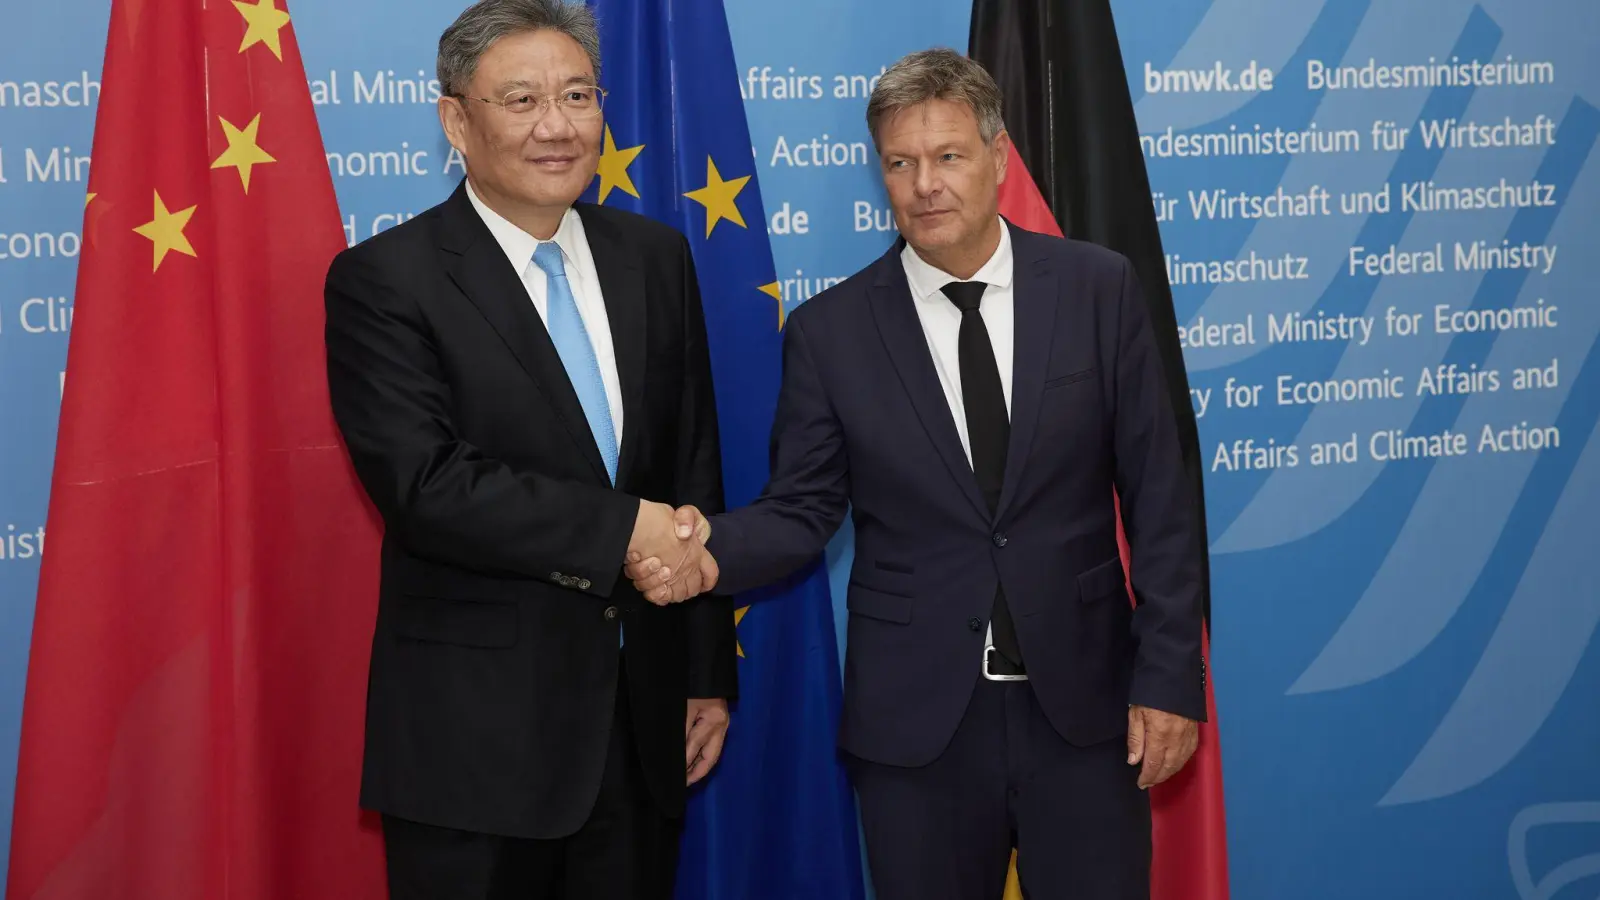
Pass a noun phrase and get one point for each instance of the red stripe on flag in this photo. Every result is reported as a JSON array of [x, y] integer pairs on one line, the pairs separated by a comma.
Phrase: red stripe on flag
[[1020, 200], [1189, 826]]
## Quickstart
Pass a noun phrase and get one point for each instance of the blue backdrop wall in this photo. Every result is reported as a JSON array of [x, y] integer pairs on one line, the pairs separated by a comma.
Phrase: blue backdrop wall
[[1381, 221]]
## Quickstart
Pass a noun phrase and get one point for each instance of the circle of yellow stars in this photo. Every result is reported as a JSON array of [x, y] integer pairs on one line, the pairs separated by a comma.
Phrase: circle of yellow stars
[[719, 197], [264, 24]]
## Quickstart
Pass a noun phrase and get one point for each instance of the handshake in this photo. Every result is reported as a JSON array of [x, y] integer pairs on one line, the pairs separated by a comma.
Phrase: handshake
[[667, 558]]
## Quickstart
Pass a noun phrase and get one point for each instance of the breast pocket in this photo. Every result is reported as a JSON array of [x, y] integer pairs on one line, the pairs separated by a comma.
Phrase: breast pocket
[[864, 601], [1070, 404], [1081, 375]]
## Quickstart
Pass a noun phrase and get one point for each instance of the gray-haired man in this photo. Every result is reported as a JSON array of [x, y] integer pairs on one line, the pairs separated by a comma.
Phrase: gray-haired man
[[977, 397], [524, 386]]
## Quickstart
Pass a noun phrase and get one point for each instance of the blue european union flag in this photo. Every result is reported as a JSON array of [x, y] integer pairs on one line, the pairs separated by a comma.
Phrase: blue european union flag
[[776, 819]]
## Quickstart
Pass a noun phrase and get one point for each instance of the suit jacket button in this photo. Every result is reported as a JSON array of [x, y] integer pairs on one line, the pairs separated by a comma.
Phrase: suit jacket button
[[999, 539], [556, 577], [584, 584], [611, 612], [975, 623]]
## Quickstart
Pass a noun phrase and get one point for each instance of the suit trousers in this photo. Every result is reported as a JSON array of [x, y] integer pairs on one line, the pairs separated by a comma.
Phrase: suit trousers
[[626, 849], [945, 831]]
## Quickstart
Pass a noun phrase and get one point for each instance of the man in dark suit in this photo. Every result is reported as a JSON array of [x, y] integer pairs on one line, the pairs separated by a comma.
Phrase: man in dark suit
[[525, 390], [978, 397]]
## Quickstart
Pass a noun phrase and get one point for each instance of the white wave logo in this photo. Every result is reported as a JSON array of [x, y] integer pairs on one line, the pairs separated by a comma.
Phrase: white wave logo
[[1439, 561], [1569, 872], [1477, 531], [1523, 672]]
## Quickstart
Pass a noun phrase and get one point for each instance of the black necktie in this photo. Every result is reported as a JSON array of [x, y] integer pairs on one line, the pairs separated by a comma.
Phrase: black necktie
[[988, 429]]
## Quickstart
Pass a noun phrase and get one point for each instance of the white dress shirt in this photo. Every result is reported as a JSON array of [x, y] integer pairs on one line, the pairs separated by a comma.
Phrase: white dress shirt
[[941, 322], [941, 325], [579, 264]]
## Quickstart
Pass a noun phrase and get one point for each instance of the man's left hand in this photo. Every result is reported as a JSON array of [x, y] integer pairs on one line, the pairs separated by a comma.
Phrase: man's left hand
[[1163, 741], [703, 731]]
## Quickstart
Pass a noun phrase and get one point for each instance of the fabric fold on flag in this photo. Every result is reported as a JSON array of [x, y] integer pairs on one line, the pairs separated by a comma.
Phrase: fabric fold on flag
[[192, 720]]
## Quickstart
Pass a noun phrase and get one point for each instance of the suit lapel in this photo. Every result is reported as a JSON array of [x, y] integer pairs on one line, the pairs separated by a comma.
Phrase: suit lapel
[[480, 269], [622, 288], [1034, 294], [894, 309]]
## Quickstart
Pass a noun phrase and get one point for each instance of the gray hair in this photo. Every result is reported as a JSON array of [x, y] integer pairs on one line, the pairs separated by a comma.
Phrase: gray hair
[[937, 74], [487, 21]]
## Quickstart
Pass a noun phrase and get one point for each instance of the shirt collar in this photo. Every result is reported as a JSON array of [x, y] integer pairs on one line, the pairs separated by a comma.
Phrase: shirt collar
[[519, 245], [927, 280]]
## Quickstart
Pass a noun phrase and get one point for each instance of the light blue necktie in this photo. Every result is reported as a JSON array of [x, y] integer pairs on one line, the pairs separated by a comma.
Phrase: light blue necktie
[[577, 352]]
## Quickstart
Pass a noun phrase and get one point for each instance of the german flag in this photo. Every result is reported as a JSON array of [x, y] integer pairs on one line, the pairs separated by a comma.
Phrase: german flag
[[1076, 169]]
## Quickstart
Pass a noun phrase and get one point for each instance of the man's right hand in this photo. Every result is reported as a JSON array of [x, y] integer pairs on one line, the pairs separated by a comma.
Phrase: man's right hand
[[662, 582], [668, 550]]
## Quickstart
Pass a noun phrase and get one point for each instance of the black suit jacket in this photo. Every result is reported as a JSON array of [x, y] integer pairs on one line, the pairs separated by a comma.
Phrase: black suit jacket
[[495, 659], [862, 423]]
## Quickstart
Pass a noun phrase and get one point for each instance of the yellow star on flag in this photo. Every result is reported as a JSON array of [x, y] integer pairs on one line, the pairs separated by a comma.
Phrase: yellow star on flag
[[775, 292], [614, 163], [1013, 883], [718, 197], [165, 231], [265, 21], [243, 152], [88, 199], [738, 616]]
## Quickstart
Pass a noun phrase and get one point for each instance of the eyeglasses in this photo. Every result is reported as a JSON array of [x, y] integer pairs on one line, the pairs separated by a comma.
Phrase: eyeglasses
[[581, 102]]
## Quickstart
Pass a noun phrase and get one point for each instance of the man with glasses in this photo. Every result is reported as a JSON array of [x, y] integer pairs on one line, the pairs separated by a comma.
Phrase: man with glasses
[[524, 386]]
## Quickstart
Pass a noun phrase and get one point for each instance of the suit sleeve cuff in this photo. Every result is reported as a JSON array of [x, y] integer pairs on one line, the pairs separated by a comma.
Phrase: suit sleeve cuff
[[612, 525], [1180, 697]]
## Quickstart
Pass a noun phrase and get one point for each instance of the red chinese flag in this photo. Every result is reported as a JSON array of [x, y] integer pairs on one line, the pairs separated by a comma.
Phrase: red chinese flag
[[193, 719]]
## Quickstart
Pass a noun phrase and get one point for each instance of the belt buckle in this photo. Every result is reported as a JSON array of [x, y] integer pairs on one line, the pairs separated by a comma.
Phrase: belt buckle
[[997, 677]]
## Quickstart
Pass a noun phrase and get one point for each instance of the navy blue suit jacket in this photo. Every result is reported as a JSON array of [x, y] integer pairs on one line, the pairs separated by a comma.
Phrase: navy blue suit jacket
[[862, 425]]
